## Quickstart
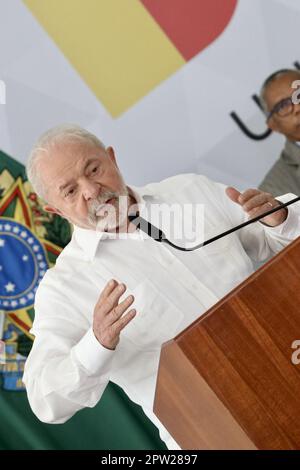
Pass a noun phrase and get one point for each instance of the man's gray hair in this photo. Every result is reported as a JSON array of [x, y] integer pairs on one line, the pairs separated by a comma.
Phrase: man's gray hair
[[47, 141], [270, 79]]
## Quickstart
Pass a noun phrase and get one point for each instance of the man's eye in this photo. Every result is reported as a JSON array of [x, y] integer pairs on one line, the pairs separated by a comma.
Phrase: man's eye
[[94, 170], [70, 192], [285, 104]]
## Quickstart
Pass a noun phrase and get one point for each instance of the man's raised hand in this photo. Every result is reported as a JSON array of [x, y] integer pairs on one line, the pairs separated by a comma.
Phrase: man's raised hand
[[256, 202], [108, 314]]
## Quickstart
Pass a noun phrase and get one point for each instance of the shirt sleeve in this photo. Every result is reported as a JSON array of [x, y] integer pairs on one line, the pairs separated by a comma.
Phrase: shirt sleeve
[[67, 368], [259, 241]]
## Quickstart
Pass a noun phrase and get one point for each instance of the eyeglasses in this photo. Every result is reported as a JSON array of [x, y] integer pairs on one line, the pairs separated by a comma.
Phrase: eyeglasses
[[283, 108]]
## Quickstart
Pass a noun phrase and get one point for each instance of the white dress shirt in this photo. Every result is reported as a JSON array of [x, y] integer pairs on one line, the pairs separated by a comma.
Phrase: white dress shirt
[[67, 368]]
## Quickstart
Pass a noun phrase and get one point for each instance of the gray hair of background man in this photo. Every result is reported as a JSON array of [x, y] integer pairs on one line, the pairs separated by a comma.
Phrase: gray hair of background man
[[42, 148], [270, 79]]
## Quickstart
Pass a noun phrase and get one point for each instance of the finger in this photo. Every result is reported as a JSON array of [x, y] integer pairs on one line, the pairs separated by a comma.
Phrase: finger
[[255, 202], [112, 300], [118, 310], [107, 290], [123, 321], [260, 210], [246, 195], [233, 194]]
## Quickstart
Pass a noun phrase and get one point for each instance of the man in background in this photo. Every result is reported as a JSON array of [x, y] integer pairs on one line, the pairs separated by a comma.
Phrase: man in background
[[283, 116]]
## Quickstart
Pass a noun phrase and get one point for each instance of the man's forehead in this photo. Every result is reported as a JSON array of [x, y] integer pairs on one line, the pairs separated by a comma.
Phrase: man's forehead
[[282, 86], [76, 150], [72, 156]]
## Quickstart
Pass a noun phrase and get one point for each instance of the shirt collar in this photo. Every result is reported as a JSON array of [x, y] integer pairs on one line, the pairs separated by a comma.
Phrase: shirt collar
[[89, 239]]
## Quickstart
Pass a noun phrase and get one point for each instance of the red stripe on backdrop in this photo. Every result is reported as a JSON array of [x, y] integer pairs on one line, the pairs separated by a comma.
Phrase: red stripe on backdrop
[[191, 24]]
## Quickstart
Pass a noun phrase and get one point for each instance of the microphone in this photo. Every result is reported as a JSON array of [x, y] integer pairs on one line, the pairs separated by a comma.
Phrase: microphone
[[159, 236], [146, 227]]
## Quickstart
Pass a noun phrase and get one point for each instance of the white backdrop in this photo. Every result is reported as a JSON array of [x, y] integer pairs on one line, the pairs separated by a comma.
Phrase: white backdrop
[[183, 125]]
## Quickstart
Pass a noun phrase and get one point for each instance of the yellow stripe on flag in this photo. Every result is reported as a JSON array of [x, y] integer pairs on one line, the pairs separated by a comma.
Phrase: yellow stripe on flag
[[115, 45]]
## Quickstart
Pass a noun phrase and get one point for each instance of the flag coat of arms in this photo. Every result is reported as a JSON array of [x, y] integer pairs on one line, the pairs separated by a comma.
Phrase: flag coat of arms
[[30, 241]]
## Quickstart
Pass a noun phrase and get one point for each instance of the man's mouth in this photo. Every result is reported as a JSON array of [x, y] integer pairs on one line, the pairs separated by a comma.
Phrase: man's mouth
[[109, 200], [100, 208]]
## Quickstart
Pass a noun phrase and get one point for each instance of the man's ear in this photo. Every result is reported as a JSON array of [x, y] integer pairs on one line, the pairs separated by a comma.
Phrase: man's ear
[[111, 153], [52, 210], [272, 125]]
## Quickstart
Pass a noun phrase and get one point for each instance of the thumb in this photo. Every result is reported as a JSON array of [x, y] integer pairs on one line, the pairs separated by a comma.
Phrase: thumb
[[233, 194]]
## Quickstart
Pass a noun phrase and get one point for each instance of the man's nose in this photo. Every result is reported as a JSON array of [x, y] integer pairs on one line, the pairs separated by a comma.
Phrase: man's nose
[[90, 190]]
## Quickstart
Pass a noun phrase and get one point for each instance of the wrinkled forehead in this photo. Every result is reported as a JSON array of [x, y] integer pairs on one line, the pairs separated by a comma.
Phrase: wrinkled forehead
[[68, 154], [280, 88]]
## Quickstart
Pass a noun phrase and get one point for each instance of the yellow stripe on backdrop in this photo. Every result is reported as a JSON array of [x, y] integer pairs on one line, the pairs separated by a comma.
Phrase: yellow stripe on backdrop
[[115, 45]]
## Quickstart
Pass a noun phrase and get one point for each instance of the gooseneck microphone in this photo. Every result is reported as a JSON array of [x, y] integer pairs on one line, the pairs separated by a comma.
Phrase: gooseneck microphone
[[159, 236]]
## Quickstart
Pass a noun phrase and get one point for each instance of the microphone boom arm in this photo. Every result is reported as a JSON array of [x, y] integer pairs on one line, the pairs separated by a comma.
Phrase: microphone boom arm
[[159, 236]]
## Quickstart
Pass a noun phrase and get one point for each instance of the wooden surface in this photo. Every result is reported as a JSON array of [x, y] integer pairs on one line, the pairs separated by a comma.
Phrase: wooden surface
[[227, 381]]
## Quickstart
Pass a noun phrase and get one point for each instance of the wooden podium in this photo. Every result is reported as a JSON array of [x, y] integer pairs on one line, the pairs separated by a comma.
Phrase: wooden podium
[[228, 380]]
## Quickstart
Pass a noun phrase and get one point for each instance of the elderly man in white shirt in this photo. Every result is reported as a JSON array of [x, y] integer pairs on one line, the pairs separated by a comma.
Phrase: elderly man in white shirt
[[86, 331]]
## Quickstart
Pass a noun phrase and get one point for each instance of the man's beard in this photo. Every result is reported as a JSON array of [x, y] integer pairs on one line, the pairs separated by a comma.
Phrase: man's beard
[[105, 214]]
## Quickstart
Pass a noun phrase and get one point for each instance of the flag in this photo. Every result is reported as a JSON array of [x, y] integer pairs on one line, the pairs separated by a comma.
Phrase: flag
[[30, 241]]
